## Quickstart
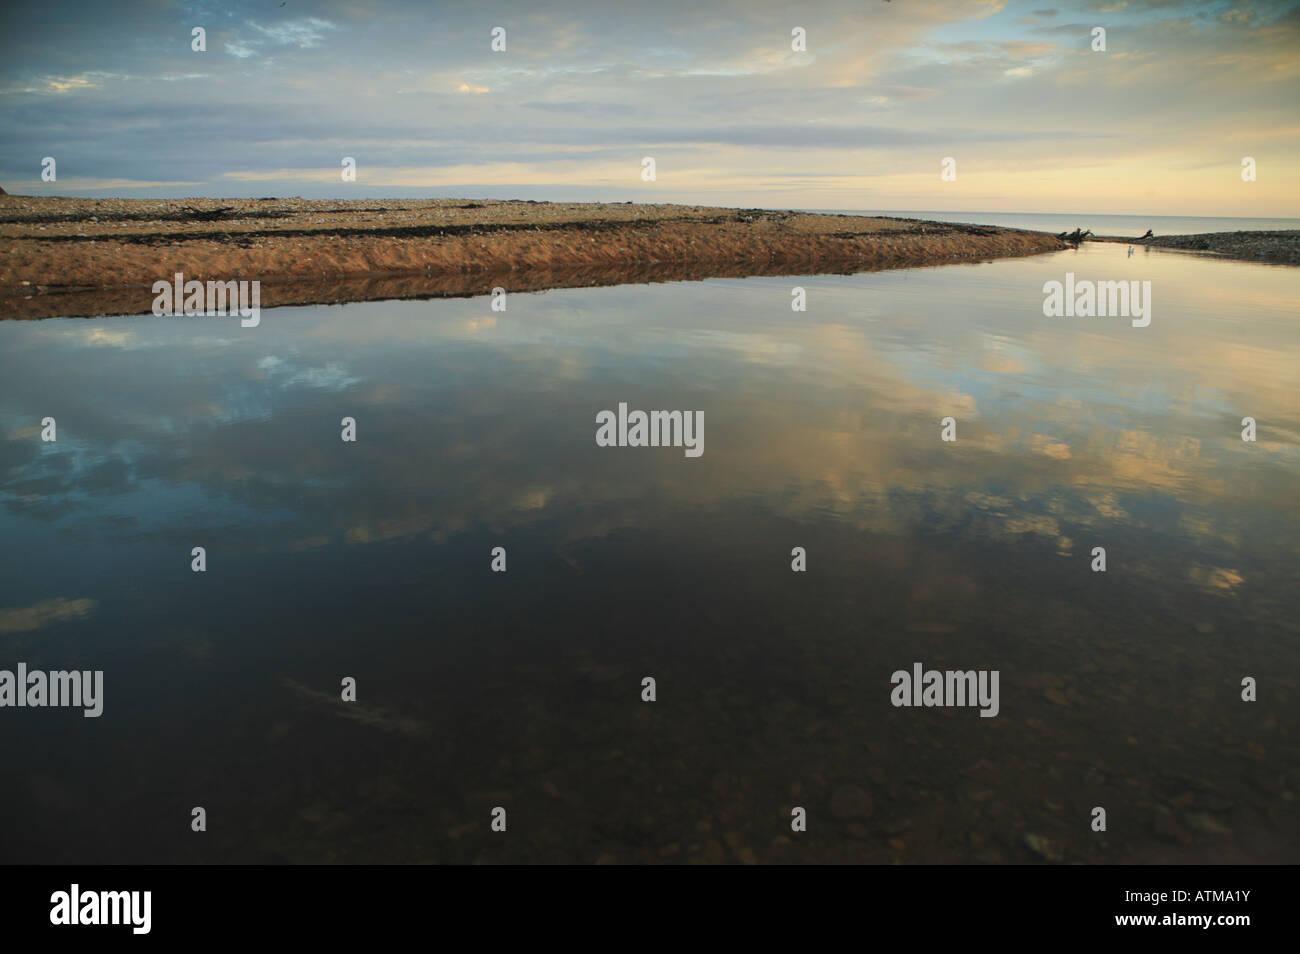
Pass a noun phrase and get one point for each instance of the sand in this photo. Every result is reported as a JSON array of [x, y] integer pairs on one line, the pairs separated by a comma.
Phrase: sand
[[74, 257]]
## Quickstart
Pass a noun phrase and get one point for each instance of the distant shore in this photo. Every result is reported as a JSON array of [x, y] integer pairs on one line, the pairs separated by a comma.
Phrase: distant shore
[[74, 256], [1274, 248]]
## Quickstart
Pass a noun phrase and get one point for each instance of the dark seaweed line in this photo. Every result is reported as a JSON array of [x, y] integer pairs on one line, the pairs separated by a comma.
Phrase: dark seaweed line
[[440, 231]]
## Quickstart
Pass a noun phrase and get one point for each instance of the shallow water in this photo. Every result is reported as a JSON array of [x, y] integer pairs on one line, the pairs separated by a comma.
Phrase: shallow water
[[523, 689]]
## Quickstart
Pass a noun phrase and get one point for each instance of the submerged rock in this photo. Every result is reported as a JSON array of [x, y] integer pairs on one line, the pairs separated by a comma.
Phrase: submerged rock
[[1205, 823], [1045, 848], [849, 802]]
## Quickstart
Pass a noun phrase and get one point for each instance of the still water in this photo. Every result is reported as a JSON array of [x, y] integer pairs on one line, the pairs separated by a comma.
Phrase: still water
[[475, 429]]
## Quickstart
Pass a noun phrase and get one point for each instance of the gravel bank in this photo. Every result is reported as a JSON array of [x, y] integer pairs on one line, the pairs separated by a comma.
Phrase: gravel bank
[[1276, 248], [70, 256]]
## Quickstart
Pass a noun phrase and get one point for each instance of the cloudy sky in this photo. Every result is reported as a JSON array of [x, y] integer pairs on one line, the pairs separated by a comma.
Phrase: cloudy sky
[[1036, 120]]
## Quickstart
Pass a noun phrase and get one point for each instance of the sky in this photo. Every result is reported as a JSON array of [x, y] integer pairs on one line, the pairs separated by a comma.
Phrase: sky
[[1034, 118]]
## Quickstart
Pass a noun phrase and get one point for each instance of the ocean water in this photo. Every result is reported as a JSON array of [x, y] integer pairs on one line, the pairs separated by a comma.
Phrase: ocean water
[[372, 561], [1134, 225]]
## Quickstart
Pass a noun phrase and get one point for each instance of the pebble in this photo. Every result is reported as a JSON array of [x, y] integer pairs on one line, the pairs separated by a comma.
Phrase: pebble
[[1164, 827], [849, 802], [1044, 847], [1205, 823]]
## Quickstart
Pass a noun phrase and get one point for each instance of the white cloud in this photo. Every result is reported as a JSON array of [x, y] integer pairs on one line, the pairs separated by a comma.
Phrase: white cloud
[[303, 34]]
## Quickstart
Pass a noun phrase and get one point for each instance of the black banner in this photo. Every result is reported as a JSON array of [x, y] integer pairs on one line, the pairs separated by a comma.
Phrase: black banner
[[1165, 904]]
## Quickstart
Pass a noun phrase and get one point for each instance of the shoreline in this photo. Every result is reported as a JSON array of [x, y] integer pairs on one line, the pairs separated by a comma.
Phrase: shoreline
[[75, 257], [1280, 247]]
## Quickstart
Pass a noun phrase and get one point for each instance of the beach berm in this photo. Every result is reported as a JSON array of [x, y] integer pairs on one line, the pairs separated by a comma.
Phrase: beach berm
[[77, 256]]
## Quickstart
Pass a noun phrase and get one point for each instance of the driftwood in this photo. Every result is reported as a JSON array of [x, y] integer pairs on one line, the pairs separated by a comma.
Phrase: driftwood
[[1075, 237]]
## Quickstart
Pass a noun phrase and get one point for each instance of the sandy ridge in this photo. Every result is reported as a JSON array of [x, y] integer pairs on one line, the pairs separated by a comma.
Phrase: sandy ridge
[[70, 256]]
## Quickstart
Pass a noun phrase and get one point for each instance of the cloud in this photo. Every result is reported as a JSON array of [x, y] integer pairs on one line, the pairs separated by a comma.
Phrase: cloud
[[92, 79], [39, 615], [883, 91], [304, 34]]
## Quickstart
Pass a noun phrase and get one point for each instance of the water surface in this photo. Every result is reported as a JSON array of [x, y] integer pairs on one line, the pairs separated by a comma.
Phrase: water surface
[[523, 690]]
